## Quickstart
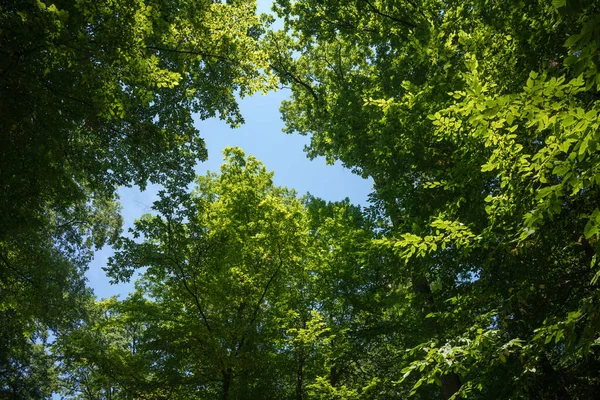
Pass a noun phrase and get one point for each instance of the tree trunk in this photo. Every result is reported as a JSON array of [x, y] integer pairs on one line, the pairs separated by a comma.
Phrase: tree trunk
[[227, 373], [333, 378], [300, 378]]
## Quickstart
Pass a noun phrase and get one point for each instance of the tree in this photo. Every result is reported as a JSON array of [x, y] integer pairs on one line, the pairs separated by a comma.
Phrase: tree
[[213, 300], [480, 192], [97, 95]]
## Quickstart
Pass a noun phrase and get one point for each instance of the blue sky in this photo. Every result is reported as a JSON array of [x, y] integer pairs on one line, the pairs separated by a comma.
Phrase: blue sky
[[262, 137]]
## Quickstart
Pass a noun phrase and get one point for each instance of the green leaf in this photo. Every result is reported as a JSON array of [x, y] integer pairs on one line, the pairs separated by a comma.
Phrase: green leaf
[[572, 40], [583, 145], [591, 228]]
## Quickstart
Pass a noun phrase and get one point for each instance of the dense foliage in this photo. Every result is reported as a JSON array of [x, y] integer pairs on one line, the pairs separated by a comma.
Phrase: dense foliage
[[96, 95], [478, 123], [473, 272]]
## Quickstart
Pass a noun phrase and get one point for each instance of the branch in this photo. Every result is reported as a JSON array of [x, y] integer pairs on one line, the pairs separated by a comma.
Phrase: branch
[[22, 275], [192, 52], [414, 5], [184, 281], [66, 96], [264, 293], [297, 80], [292, 76], [262, 297], [70, 222], [395, 19]]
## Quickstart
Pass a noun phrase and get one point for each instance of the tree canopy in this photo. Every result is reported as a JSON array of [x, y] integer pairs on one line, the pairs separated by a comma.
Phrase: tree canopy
[[472, 273], [475, 121], [96, 95]]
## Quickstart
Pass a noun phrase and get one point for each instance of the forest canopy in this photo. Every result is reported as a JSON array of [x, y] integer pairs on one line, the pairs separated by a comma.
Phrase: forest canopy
[[471, 274]]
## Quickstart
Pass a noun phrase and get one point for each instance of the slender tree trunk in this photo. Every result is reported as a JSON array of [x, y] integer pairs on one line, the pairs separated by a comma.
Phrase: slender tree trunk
[[333, 376], [227, 373], [300, 378]]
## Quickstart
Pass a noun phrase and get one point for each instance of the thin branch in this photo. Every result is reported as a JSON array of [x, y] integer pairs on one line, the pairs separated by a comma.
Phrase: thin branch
[[265, 290], [292, 76], [184, 280], [66, 96], [391, 17], [192, 52], [16, 270], [70, 222], [242, 341], [419, 9], [297, 80]]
